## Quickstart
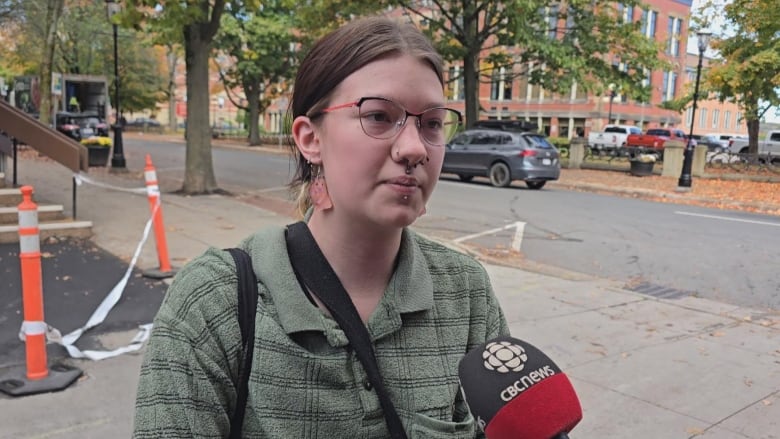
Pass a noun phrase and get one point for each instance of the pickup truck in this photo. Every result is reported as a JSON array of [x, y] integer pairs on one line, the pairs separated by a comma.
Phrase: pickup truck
[[613, 136], [655, 138], [770, 145]]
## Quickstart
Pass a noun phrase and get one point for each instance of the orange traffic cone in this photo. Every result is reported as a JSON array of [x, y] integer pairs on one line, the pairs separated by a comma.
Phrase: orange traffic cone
[[155, 206], [38, 378]]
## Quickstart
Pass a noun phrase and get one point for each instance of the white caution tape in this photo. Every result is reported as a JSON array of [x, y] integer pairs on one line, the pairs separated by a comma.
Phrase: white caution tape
[[82, 178], [99, 315], [31, 328]]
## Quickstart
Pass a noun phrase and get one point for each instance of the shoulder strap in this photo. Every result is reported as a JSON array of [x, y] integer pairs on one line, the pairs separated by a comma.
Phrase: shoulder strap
[[317, 274], [247, 307]]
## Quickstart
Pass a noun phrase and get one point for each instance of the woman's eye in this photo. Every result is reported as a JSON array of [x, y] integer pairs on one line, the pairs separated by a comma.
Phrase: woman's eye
[[432, 124], [378, 116]]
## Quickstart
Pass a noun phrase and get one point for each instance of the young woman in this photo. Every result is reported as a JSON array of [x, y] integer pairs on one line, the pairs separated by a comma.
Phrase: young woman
[[369, 129]]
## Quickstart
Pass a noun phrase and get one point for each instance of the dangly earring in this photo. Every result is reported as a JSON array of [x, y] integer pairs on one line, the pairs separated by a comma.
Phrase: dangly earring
[[318, 191]]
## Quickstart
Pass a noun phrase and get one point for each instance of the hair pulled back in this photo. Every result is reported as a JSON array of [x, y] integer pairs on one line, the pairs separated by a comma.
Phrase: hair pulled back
[[338, 55]]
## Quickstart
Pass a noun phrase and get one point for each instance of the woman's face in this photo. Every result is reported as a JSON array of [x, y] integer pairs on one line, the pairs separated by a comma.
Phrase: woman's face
[[367, 177]]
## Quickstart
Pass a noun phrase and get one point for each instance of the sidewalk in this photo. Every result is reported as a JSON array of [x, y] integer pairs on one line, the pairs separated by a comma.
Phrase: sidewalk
[[643, 367]]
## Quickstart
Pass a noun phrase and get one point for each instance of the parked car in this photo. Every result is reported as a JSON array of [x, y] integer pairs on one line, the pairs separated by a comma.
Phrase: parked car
[[655, 138], [143, 122], [770, 144], [613, 136], [81, 125], [710, 141], [725, 138], [503, 155]]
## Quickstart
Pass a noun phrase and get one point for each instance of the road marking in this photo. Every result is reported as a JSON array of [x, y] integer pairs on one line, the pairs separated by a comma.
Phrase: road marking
[[726, 218], [519, 225], [517, 241]]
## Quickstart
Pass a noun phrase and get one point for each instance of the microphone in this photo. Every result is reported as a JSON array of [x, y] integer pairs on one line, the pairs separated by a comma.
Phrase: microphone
[[516, 392]]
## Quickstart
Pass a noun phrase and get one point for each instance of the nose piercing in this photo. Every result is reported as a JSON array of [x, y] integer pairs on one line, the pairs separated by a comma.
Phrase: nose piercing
[[409, 168]]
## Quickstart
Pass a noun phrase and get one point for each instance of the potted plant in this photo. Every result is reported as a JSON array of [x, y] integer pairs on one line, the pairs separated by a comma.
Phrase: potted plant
[[98, 148], [642, 164]]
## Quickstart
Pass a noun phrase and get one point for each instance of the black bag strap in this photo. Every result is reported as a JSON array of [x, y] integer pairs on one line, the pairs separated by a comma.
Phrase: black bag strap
[[247, 307], [317, 274]]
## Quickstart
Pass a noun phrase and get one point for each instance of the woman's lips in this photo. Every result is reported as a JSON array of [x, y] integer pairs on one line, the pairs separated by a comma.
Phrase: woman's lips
[[404, 185]]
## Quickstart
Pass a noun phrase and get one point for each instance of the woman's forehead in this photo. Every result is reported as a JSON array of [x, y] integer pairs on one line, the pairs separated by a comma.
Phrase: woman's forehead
[[402, 78]]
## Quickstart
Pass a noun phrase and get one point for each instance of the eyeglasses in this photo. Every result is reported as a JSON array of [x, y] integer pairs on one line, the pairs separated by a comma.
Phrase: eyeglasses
[[382, 118]]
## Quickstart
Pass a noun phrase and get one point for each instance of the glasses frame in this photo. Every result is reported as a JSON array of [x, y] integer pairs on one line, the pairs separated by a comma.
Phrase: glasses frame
[[400, 126]]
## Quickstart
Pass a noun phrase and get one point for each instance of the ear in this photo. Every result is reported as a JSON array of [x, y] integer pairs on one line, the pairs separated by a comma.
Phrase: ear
[[306, 139]]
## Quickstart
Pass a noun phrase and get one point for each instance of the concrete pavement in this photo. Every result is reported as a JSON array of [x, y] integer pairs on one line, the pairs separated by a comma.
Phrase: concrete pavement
[[643, 367]]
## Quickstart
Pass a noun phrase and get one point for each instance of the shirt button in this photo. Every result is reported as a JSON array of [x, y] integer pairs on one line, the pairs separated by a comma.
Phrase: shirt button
[[367, 384]]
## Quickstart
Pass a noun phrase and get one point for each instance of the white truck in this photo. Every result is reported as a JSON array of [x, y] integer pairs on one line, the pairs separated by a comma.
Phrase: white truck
[[770, 145], [613, 136]]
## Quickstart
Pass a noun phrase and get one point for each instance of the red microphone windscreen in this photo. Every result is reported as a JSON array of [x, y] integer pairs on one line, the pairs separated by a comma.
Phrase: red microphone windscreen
[[516, 391]]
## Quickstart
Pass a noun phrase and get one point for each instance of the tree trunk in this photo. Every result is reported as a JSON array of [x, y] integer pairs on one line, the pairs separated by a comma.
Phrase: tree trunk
[[253, 102], [199, 168], [172, 121], [53, 14], [471, 84], [753, 126]]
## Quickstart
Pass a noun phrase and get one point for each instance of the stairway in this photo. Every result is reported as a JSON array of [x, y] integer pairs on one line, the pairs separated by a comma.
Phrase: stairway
[[52, 222]]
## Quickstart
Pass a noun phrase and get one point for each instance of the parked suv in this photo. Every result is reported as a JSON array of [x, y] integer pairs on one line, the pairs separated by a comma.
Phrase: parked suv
[[503, 154]]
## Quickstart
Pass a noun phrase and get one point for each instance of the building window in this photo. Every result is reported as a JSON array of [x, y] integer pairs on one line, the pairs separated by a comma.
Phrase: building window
[[688, 116], [456, 84], [669, 86], [500, 86], [674, 31], [715, 118], [649, 19], [703, 118], [552, 21], [727, 119], [738, 122], [625, 13]]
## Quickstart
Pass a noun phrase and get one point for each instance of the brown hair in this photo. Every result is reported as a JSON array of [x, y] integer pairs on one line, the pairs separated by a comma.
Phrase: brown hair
[[338, 55]]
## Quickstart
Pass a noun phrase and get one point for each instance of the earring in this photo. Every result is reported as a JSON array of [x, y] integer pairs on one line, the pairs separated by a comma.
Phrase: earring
[[318, 192]]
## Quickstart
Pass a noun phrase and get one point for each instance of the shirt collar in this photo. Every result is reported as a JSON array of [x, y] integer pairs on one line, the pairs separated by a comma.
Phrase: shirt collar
[[410, 288]]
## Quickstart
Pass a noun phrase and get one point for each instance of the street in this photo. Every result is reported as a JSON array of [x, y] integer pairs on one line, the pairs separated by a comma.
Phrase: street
[[681, 250]]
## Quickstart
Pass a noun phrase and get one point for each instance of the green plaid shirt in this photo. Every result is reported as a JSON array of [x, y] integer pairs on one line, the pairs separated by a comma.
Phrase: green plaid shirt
[[305, 381]]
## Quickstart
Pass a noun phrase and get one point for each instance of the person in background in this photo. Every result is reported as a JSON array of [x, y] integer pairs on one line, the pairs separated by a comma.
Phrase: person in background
[[369, 129], [73, 105]]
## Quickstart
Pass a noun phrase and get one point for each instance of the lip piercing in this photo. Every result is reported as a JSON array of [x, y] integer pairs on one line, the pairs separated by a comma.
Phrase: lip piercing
[[406, 197]]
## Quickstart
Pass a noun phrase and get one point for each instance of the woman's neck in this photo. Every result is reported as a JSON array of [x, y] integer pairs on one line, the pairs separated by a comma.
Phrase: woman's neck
[[362, 257]]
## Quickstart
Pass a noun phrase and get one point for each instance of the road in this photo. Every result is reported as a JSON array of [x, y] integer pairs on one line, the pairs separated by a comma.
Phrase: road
[[655, 248]]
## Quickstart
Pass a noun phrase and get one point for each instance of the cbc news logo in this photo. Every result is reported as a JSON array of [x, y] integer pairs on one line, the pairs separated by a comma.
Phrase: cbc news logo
[[504, 357]]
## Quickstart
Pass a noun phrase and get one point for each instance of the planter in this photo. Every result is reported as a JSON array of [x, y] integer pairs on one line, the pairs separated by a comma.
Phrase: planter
[[641, 169], [98, 155]]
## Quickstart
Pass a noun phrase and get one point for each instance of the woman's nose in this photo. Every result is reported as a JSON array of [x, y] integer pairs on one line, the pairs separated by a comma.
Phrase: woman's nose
[[410, 144]]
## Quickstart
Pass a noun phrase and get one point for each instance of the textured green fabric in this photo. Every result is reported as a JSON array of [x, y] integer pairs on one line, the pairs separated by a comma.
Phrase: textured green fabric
[[305, 381]]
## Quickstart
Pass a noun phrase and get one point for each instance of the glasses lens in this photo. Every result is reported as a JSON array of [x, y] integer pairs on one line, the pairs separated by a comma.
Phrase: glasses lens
[[381, 118], [438, 125]]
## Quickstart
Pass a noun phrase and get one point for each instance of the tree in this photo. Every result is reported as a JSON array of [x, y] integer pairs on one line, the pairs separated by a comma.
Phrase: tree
[[748, 68], [53, 13], [261, 60], [553, 44], [197, 21]]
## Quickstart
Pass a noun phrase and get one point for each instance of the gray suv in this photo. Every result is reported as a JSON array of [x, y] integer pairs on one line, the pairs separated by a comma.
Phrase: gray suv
[[503, 156]]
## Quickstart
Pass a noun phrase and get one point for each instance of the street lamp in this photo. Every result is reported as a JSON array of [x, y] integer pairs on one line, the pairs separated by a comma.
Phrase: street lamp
[[118, 159], [685, 180], [611, 98]]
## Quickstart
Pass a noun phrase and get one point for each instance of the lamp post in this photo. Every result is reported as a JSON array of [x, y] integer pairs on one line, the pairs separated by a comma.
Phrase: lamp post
[[118, 158], [685, 180], [611, 98]]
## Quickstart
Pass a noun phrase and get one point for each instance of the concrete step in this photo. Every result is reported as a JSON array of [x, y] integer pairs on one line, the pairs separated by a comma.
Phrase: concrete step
[[63, 228], [2, 178], [10, 196], [9, 215]]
